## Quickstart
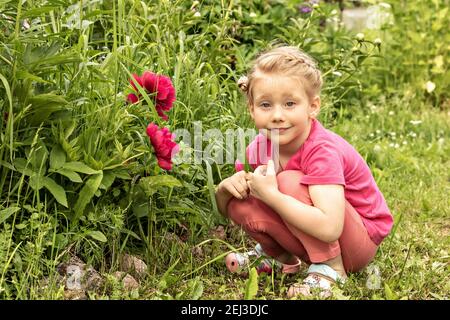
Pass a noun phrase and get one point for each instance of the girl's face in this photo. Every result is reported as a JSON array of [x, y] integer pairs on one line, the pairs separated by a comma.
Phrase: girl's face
[[281, 102]]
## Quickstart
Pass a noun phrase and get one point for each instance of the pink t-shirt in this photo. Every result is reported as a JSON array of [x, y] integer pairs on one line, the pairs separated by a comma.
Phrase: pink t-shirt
[[326, 158]]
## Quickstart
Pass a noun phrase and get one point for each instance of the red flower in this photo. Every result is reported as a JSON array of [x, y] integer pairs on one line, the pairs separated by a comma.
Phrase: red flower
[[165, 147], [151, 82], [132, 98]]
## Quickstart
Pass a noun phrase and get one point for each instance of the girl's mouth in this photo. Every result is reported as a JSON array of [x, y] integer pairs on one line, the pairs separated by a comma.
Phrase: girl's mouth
[[280, 130]]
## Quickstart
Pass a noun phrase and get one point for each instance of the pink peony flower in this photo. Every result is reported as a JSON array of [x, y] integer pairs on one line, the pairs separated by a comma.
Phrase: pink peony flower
[[165, 147], [162, 85], [132, 98]]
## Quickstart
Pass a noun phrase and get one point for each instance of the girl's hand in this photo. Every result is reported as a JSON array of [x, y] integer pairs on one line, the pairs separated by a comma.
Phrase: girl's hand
[[236, 185], [263, 182]]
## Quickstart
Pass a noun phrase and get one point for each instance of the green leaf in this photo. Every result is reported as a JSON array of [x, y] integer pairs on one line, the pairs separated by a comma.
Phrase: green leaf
[[7, 88], [6, 213], [9, 132], [38, 156], [197, 289], [35, 12], [211, 188], [72, 175], [122, 174], [87, 193], [152, 184], [251, 285], [57, 157], [56, 190], [43, 105], [79, 167], [36, 182], [41, 58], [131, 233], [60, 241], [24, 75], [108, 179], [389, 294], [164, 280], [23, 167], [7, 165], [97, 235], [141, 209]]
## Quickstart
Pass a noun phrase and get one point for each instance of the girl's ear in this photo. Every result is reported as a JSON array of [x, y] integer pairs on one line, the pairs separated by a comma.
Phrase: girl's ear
[[314, 108]]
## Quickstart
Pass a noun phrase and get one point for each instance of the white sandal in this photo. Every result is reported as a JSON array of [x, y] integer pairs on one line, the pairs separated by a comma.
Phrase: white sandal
[[321, 277]]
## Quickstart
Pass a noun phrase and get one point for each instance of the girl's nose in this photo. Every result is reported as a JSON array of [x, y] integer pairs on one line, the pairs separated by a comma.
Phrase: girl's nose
[[278, 114]]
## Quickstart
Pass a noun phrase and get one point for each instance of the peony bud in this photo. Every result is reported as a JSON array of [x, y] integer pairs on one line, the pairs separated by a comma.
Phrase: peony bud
[[360, 36]]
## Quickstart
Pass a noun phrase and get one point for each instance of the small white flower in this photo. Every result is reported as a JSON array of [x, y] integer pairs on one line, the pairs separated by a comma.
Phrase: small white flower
[[337, 73], [405, 142], [377, 148], [25, 24], [396, 145], [430, 86], [374, 278], [371, 135], [391, 113], [415, 122], [197, 14], [378, 131], [333, 12], [377, 41], [360, 36], [315, 5], [391, 145], [252, 15], [392, 134]]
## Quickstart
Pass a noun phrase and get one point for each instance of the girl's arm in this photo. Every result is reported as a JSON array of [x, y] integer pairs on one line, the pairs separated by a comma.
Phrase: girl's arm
[[324, 220]]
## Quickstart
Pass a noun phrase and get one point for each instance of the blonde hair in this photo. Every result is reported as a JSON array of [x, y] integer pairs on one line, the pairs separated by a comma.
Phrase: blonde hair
[[287, 60]]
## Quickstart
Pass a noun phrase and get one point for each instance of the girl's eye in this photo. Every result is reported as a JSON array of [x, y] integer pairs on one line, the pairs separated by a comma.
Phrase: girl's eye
[[265, 105], [290, 103]]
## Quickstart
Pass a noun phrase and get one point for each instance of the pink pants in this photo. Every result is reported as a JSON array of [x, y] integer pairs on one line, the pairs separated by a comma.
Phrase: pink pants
[[277, 237]]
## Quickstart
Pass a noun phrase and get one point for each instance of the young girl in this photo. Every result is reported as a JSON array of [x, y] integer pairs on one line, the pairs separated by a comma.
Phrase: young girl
[[315, 200]]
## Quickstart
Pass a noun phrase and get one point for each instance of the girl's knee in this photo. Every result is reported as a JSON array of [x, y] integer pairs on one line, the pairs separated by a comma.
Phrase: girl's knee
[[289, 177], [233, 209], [289, 183], [238, 210]]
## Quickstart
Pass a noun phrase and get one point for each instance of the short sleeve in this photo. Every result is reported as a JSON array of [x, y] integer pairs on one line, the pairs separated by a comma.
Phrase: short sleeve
[[323, 164]]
